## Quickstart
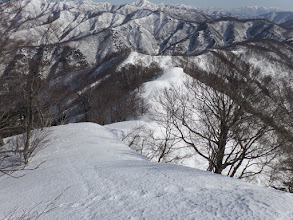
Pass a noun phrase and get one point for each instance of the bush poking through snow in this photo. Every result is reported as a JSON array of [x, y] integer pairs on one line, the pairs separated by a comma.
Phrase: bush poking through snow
[[36, 212], [14, 156]]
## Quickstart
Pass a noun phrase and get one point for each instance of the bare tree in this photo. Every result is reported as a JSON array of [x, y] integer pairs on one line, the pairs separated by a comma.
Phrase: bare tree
[[282, 171], [156, 142], [216, 128], [246, 86], [22, 90], [8, 48]]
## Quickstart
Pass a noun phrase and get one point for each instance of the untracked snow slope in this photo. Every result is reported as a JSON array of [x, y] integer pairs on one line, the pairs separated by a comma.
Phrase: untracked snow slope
[[101, 178]]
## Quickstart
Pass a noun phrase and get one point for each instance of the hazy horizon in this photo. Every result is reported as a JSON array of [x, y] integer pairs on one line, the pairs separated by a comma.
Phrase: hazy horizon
[[282, 4]]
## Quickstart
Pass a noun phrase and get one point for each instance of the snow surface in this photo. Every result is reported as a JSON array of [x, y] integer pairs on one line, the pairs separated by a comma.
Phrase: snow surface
[[101, 178], [136, 58], [136, 133], [126, 130]]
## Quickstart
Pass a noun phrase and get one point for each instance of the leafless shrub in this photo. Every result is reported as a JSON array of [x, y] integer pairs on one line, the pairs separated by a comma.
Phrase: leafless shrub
[[36, 212], [15, 157], [157, 143]]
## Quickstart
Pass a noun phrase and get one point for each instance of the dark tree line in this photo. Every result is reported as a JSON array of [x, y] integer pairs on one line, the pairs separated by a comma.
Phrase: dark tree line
[[27, 98], [235, 118], [116, 96], [36, 92]]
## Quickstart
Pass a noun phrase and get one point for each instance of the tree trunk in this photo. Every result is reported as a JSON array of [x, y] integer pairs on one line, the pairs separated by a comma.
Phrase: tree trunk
[[219, 158], [1, 140], [221, 148], [28, 126]]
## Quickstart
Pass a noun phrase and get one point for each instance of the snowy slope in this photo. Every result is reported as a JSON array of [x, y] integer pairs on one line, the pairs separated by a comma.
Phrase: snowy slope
[[279, 17], [173, 75], [242, 12], [107, 180], [100, 29]]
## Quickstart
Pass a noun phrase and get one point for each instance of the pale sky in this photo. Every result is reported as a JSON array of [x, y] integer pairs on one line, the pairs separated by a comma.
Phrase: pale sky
[[283, 4]]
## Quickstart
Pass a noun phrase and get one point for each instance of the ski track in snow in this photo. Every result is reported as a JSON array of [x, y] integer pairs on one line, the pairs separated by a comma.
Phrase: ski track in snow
[[101, 178]]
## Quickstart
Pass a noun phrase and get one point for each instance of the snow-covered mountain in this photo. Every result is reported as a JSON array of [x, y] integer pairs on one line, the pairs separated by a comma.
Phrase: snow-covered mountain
[[242, 12], [102, 62], [85, 42], [288, 24], [98, 30], [89, 174], [82, 37], [279, 17], [82, 41]]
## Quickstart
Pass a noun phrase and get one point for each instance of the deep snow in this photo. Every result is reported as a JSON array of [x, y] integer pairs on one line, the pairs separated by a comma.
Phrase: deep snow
[[101, 178]]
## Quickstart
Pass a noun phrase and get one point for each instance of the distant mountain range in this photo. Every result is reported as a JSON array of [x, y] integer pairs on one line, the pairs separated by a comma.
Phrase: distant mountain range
[[75, 61], [86, 38], [146, 27]]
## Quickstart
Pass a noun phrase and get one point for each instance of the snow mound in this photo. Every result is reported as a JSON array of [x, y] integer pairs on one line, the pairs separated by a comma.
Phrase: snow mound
[[101, 178]]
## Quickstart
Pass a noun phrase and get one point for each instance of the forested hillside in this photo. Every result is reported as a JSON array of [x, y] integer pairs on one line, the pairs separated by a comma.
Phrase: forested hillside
[[64, 62]]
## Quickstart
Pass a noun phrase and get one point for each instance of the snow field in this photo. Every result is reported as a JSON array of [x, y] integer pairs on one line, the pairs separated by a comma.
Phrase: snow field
[[101, 178]]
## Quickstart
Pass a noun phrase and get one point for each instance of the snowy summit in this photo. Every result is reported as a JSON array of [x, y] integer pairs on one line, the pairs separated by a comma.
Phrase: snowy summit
[[141, 3], [89, 174]]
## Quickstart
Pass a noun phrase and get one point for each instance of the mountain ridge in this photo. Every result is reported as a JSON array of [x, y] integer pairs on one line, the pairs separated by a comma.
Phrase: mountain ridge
[[94, 175], [162, 29], [90, 60]]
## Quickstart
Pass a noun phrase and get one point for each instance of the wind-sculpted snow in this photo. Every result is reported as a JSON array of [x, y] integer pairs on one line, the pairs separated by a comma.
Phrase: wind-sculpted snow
[[98, 177]]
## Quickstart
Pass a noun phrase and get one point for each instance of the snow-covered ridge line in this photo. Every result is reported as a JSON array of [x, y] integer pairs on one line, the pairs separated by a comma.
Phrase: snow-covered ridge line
[[98, 30], [98, 177], [243, 12]]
